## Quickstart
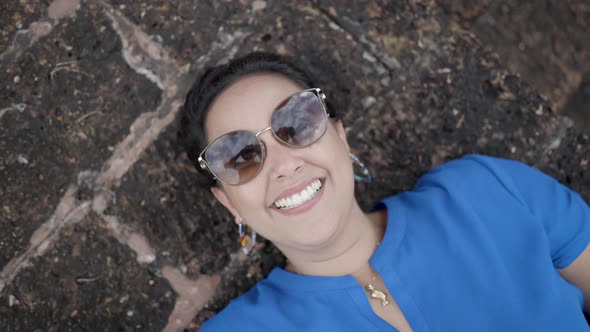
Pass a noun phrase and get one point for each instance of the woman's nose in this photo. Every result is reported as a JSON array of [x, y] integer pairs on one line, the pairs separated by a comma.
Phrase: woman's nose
[[281, 160]]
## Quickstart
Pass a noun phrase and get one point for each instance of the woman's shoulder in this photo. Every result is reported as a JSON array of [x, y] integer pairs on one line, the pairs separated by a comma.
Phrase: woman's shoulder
[[473, 178], [473, 165], [474, 170], [464, 174]]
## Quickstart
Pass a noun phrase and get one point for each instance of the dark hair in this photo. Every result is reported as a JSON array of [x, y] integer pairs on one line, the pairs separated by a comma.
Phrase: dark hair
[[213, 82]]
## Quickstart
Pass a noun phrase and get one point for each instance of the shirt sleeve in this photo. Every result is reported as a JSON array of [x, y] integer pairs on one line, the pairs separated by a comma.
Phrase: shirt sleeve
[[564, 214]]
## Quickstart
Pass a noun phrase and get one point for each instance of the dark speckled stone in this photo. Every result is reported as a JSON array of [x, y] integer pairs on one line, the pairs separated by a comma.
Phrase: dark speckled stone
[[87, 282], [80, 100], [17, 15]]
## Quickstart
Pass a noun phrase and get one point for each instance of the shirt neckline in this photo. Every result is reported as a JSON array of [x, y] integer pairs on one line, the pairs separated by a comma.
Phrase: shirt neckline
[[394, 230]]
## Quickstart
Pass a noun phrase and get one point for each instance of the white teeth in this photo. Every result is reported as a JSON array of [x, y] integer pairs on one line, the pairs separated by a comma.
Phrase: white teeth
[[301, 197]]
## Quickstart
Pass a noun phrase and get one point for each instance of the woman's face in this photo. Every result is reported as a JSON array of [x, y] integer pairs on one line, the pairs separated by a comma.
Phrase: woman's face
[[247, 105]]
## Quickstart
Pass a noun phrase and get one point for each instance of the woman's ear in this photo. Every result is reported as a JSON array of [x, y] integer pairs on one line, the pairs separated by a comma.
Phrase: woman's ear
[[342, 133], [225, 201]]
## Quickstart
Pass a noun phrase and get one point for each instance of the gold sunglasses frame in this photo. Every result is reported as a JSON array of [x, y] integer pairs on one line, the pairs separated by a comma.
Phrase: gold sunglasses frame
[[205, 165]]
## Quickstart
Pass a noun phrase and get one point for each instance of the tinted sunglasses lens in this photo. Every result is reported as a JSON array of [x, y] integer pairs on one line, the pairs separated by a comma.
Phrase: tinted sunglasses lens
[[235, 157], [300, 120]]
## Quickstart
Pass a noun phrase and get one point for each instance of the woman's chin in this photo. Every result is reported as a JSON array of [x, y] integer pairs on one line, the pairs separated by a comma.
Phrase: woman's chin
[[315, 237]]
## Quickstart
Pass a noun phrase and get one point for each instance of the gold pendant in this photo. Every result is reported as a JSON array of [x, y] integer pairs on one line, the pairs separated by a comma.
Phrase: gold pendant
[[377, 294]]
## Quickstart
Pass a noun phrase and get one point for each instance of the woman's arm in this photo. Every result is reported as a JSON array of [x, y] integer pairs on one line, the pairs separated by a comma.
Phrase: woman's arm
[[578, 273]]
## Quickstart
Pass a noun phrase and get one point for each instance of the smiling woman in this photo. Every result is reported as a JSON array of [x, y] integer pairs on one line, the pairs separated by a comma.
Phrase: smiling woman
[[475, 246]]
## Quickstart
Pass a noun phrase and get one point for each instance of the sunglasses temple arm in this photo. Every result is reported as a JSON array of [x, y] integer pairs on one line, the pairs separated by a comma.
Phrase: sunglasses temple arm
[[205, 165]]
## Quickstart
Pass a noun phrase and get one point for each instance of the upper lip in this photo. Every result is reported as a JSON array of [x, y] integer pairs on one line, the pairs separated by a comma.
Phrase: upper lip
[[295, 189]]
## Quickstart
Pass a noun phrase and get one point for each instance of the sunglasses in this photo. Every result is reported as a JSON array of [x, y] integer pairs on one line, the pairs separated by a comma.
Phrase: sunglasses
[[237, 157]]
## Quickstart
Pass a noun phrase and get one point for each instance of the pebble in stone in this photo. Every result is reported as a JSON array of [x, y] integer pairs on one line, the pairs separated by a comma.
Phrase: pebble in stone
[[22, 159], [334, 26], [368, 57], [17, 107], [12, 300], [16, 79], [20, 107], [368, 101], [258, 5]]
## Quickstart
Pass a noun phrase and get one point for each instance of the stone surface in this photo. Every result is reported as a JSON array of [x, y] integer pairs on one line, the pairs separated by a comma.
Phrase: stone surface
[[17, 15], [544, 41], [578, 105], [448, 97], [87, 282], [570, 162], [282, 27], [79, 99], [190, 27]]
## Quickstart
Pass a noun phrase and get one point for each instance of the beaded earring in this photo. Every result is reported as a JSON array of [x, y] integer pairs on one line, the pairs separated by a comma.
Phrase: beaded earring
[[365, 175], [246, 249]]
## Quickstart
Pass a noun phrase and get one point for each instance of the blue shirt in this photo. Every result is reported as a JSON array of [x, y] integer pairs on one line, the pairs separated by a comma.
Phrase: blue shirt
[[473, 247]]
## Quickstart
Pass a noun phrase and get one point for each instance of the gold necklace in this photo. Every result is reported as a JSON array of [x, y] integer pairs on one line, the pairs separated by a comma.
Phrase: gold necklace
[[377, 293], [374, 292]]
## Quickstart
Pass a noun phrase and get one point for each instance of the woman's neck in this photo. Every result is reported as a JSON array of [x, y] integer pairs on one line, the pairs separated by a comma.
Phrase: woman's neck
[[349, 250]]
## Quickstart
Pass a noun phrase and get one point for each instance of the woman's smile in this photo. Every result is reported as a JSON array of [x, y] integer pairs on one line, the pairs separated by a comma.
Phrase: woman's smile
[[288, 200], [300, 198]]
